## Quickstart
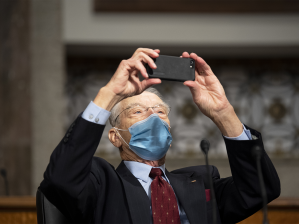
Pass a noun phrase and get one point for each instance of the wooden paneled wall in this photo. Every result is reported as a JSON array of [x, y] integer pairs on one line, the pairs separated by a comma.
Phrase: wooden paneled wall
[[18, 210], [280, 211]]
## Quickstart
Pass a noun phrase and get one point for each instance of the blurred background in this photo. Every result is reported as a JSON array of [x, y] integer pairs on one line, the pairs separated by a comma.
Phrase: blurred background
[[57, 54]]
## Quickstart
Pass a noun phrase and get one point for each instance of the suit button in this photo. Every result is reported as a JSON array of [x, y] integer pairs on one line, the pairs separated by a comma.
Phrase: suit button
[[65, 139], [68, 135], [70, 130], [73, 125]]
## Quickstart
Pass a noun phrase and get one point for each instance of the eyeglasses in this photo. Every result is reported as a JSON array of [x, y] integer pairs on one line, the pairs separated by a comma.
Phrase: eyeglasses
[[140, 111]]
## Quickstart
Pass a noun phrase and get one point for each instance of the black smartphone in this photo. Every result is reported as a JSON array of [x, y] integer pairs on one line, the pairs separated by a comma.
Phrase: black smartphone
[[172, 68]]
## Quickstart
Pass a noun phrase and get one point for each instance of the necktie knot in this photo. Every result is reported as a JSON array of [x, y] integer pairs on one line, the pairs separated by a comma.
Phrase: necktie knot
[[155, 172]]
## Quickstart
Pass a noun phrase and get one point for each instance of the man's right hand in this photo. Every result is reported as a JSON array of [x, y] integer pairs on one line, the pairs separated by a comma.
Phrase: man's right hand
[[125, 81]]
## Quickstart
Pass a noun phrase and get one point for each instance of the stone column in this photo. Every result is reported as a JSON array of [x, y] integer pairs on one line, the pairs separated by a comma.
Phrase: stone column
[[47, 84], [15, 121]]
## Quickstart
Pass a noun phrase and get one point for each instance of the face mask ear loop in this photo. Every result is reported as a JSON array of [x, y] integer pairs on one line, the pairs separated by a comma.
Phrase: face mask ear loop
[[120, 129], [120, 135], [166, 124]]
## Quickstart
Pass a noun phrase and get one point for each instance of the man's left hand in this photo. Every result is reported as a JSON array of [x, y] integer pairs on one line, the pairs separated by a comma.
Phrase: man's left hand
[[208, 94]]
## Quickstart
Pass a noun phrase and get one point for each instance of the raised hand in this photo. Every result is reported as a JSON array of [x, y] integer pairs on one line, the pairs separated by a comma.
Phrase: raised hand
[[208, 94], [125, 81]]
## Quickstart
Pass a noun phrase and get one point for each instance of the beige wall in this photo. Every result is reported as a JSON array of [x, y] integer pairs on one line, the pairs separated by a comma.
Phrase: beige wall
[[83, 26]]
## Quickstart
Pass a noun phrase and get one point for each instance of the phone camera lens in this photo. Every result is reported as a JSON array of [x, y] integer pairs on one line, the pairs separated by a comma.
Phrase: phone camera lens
[[191, 62]]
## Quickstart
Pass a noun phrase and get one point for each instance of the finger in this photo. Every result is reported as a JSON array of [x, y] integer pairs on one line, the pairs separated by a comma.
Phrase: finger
[[146, 83], [135, 80], [152, 53], [136, 65], [149, 82], [201, 65], [142, 85], [190, 84], [146, 59], [135, 73], [185, 54], [195, 91], [140, 67], [157, 51]]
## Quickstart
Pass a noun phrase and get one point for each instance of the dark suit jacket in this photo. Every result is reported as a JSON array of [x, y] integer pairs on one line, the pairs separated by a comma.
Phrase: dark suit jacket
[[88, 189]]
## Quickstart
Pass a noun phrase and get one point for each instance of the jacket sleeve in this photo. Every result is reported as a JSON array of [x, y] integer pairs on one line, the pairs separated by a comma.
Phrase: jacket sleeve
[[239, 196], [68, 181]]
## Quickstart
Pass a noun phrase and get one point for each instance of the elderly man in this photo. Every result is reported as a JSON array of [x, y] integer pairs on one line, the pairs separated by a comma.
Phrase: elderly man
[[88, 189]]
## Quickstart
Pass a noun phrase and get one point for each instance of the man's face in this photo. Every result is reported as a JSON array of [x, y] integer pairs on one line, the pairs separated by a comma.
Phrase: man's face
[[146, 98]]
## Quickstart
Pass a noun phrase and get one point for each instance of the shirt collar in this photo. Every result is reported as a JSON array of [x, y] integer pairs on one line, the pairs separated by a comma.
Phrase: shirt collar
[[141, 170]]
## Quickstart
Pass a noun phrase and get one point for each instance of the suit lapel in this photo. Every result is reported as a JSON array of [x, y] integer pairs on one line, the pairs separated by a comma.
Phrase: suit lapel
[[138, 201], [191, 195]]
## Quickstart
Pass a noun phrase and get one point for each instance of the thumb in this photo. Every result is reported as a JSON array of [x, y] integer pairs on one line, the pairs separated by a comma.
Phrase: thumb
[[146, 83], [195, 91], [190, 84]]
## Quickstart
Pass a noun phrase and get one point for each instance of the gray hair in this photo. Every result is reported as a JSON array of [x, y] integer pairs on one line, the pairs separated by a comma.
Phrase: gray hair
[[116, 109]]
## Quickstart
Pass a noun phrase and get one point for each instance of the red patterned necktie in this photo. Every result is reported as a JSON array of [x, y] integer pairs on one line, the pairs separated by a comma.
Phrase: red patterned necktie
[[164, 205]]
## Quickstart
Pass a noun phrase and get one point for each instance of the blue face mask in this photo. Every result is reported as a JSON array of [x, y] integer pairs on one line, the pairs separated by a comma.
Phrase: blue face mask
[[150, 138]]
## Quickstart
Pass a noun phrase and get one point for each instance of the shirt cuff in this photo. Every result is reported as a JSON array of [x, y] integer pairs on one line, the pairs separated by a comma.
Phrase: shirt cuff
[[246, 135], [95, 114]]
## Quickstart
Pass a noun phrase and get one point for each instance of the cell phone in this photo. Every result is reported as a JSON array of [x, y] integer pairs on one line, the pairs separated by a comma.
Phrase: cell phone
[[172, 68]]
